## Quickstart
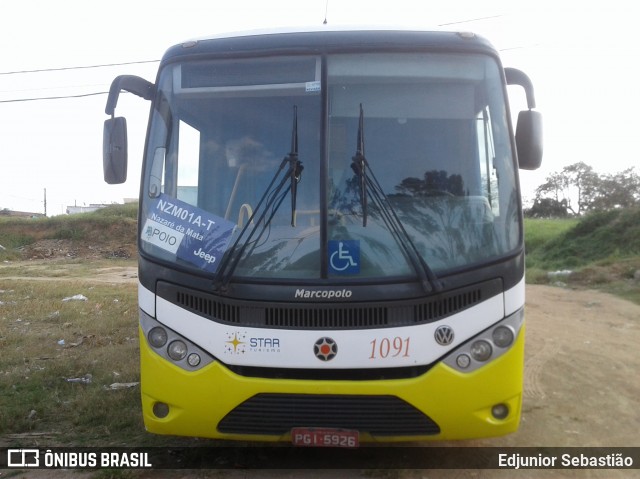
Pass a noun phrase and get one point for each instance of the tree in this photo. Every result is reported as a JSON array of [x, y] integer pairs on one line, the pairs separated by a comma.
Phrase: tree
[[547, 208], [578, 189], [619, 190], [582, 183], [552, 188]]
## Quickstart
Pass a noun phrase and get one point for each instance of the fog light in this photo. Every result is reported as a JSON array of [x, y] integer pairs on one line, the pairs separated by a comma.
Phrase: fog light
[[502, 336], [481, 350], [463, 361], [500, 411], [177, 350], [160, 410], [193, 360], [157, 337]]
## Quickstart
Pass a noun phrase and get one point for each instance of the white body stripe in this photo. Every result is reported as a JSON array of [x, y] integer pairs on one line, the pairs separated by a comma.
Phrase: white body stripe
[[514, 298], [146, 300], [368, 348]]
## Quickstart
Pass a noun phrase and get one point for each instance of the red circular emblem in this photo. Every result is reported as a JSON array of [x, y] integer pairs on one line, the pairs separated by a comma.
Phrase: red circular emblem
[[325, 349]]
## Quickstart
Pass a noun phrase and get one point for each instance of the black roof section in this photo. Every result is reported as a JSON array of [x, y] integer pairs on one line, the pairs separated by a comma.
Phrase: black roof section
[[321, 41]]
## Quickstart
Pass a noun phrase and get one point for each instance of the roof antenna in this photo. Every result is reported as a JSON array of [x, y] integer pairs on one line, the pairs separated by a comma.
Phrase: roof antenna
[[326, 9]]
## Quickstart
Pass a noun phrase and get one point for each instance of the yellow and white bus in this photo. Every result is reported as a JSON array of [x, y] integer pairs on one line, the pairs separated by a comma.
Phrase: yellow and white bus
[[330, 236]]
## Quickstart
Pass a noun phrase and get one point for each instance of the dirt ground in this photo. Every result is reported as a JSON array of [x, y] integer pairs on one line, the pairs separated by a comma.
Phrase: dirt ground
[[582, 388]]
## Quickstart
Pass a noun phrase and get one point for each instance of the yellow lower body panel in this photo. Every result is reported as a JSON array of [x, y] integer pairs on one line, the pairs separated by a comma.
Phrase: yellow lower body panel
[[459, 403]]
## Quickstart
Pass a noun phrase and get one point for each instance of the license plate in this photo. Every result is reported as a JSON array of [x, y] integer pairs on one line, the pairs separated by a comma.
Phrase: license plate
[[324, 437]]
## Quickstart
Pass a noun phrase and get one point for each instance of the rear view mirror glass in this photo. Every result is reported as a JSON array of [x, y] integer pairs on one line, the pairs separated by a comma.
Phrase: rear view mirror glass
[[114, 150], [529, 139]]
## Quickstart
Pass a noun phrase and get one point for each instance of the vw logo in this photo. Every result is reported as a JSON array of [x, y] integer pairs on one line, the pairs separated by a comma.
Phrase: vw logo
[[444, 335], [325, 349]]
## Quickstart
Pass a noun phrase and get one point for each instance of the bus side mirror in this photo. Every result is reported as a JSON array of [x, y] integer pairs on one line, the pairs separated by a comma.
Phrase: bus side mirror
[[114, 150], [114, 139], [529, 139], [529, 127]]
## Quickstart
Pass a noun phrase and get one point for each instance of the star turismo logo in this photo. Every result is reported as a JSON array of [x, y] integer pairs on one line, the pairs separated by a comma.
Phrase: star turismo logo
[[325, 349], [235, 343]]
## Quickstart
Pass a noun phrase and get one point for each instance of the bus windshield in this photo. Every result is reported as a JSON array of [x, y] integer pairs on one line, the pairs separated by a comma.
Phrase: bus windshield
[[405, 162]]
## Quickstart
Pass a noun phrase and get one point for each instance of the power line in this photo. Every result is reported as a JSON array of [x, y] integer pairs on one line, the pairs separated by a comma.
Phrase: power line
[[62, 97], [479, 19], [79, 67], [105, 65], [520, 47]]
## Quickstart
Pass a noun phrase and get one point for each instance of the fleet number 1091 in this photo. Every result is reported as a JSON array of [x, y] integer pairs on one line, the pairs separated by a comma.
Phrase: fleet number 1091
[[390, 348]]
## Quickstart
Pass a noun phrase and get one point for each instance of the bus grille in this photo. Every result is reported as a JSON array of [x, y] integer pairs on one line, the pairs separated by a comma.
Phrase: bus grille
[[277, 414], [327, 318], [435, 309], [328, 315]]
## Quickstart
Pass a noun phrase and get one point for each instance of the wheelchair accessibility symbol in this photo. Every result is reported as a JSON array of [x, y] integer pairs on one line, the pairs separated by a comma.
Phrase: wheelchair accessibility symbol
[[344, 257]]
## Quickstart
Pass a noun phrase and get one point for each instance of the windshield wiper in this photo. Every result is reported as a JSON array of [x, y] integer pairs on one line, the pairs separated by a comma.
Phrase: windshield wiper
[[359, 167], [295, 166], [369, 186], [272, 199]]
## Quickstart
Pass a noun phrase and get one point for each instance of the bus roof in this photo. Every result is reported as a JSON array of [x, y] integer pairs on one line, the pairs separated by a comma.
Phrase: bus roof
[[315, 40], [314, 29]]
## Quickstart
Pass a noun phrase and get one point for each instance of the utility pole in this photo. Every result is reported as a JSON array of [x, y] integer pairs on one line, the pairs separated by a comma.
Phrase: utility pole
[[45, 202]]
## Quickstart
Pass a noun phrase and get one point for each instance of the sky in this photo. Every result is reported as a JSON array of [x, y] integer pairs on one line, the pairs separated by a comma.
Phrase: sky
[[581, 56]]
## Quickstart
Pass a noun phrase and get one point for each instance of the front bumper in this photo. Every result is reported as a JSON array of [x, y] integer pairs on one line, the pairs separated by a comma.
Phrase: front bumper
[[459, 404]]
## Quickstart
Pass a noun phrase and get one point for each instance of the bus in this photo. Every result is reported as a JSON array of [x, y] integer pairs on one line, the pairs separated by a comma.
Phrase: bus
[[330, 236]]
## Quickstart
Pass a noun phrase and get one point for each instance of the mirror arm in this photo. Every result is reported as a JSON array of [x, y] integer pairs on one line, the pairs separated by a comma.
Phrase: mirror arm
[[131, 83], [518, 77]]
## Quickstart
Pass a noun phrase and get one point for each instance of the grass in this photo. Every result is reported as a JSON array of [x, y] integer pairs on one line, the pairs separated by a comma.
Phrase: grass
[[46, 341], [602, 251], [66, 225], [538, 232], [66, 268], [102, 230]]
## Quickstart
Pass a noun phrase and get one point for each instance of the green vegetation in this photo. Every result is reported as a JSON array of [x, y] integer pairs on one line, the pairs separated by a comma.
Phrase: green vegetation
[[578, 189], [130, 210], [104, 231], [69, 369], [539, 232], [46, 342], [61, 358], [602, 251]]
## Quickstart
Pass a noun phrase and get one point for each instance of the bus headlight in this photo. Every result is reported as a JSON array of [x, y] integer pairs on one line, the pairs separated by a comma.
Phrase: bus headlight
[[486, 346], [177, 350], [157, 337], [463, 361], [503, 336], [171, 346], [193, 360], [481, 350]]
